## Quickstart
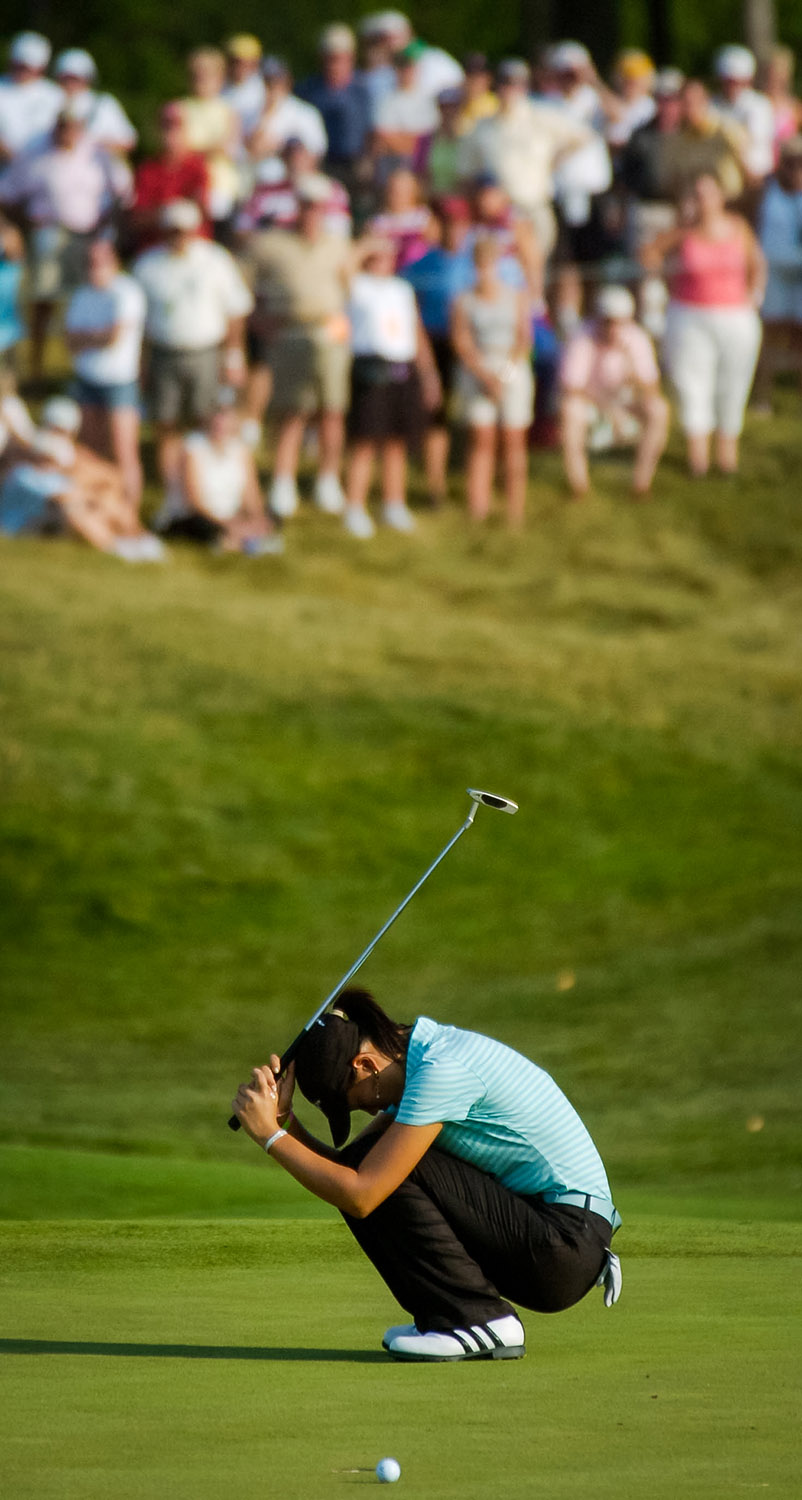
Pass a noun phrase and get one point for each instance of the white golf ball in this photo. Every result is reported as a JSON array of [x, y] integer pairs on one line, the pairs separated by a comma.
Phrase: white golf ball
[[388, 1470]]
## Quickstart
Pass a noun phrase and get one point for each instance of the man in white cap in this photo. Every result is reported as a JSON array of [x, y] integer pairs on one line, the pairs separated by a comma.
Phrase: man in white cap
[[342, 99], [197, 302], [437, 69], [29, 102], [611, 396], [738, 103], [106, 121]]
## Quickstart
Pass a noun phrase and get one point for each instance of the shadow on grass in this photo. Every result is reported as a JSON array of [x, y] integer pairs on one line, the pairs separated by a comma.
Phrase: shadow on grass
[[188, 1351]]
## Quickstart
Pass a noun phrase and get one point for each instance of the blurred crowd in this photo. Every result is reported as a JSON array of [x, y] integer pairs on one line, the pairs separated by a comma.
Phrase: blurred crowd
[[398, 254]]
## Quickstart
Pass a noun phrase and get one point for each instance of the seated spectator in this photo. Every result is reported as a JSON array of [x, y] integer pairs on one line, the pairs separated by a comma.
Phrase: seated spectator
[[17, 428], [741, 105], [393, 374], [64, 193], [716, 276], [212, 129], [492, 335], [197, 303], [404, 219], [438, 158], [780, 234], [437, 279], [611, 386], [107, 124], [12, 265], [216, 498], [343, 101], [62, 487], [176, 173], [301, 280], [405, 117], [30, 103], [244, 90], [479, 100], [104, 325], [285, 118], [778, 85]]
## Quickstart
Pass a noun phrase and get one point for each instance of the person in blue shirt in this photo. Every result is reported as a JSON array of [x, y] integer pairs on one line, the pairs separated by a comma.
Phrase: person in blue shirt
[[12, 327], [475, 1186], [343, 100], [437, 279]]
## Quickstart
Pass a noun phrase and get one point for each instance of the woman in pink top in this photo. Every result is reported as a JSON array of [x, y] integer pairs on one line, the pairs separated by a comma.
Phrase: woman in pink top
[[716, 277]]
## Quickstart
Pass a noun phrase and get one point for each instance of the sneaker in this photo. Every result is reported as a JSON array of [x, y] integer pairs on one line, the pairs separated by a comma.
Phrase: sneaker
[[263, 546], [329, 496], [357, 522], [398, 515], [283, 496], [137, 549], [503, 1338], [399, 1330]]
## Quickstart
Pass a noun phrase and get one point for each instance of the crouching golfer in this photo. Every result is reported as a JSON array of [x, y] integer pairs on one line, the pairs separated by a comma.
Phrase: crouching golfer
[[476, 1184]]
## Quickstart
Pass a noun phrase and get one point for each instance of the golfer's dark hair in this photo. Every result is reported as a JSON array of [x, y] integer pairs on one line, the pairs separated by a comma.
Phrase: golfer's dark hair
[[389, 1037]]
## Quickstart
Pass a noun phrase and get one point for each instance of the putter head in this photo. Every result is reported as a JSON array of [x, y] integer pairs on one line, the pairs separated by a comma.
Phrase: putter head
[[489, 799]]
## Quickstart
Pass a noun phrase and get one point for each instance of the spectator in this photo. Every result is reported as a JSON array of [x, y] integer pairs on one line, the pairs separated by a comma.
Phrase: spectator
[[107, 124], [343, 101], [216, 498], [62, 487], [437, 279], [244, 90], [17, 428], [407, 115], [393, 372], [301, 281], [177, 172], [780, 233], [521, 145], [742, 106], [273, 204], [439, 158], [284, 117], [12, 263], [520, 262], [610, 381], [716, 280], [479, 99], [707, 144], [212, 129], [404, 220], [437, 69], [104, 325], [492, 339], [651, 163], [629, 104], [29, 102], [197, 303], [377, 46], [778, 82], [63, 192]]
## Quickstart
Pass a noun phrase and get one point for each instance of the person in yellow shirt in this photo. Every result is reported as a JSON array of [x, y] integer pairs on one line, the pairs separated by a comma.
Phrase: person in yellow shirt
[[479, 100]]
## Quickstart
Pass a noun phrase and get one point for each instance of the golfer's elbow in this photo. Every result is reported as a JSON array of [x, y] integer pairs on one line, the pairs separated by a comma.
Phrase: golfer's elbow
[[362, 1200]]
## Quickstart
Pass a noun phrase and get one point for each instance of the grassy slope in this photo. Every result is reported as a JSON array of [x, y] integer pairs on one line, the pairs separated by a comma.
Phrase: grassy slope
[[218, 779], [190, 1360]]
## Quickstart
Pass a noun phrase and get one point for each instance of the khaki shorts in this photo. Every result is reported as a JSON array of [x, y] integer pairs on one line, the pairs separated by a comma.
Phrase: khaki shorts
[[515, 407], [57, 262], [182, 385], [310, 373]]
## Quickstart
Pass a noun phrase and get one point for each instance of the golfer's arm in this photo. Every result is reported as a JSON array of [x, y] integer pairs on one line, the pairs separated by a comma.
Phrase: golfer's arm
[[357, 1191], [300, 1133]]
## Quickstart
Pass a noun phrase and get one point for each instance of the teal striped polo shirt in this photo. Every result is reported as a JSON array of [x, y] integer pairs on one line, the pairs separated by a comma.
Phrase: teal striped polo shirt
[[499, 1111]]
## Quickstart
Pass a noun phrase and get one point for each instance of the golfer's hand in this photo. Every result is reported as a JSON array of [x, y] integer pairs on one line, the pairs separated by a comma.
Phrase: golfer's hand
[[256, 1105], [611, 1279], [286, 1087]]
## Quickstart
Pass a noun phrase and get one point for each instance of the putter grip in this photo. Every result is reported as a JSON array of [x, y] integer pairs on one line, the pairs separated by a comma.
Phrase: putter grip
[[287, 1058]]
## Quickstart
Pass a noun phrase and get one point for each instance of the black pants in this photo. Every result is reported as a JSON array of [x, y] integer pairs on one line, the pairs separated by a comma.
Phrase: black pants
[[453, 1244]]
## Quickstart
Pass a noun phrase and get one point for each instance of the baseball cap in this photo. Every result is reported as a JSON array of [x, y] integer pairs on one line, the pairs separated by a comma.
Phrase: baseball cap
[[244, 47], [385, 23], [633, 64], [734, 62], [182, 214], [323, 1069], [567, 57], [275, 67], [512, 70], [313, 187], [337, 38], [30, 49], [62, 413], [410, 53], [615, 302], [668, 83], [75, 63]]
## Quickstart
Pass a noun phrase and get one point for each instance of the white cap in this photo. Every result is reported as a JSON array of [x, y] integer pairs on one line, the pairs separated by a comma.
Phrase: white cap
[[62, 413], [735, 62], [615, 302], [392, 23], [337, 38], [567, 56], [181, 213], [668, 83], [75, 63], [313, 187], [31, 49]]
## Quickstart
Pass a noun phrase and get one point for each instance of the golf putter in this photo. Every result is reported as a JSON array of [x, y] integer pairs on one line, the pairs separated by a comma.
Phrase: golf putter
[[478, 799]]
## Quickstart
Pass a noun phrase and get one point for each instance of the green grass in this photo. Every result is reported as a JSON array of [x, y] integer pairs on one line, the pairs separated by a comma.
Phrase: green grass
[[190, 1359]]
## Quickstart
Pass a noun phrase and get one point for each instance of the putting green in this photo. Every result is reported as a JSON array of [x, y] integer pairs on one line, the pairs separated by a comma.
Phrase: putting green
[[202, 1360]]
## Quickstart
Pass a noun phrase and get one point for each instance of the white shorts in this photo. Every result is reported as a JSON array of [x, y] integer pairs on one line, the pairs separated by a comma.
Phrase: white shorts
[[710, 354], [514, 409]]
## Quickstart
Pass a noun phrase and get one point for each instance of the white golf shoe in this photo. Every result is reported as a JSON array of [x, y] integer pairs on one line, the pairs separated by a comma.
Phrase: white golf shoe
[[399, 1330], [397, 515], [357, 522], [283, 499], [502, 1338], [329, 495]]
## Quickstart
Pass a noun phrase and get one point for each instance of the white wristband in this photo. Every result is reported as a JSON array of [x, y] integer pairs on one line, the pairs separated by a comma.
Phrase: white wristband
[[276, 1136]]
